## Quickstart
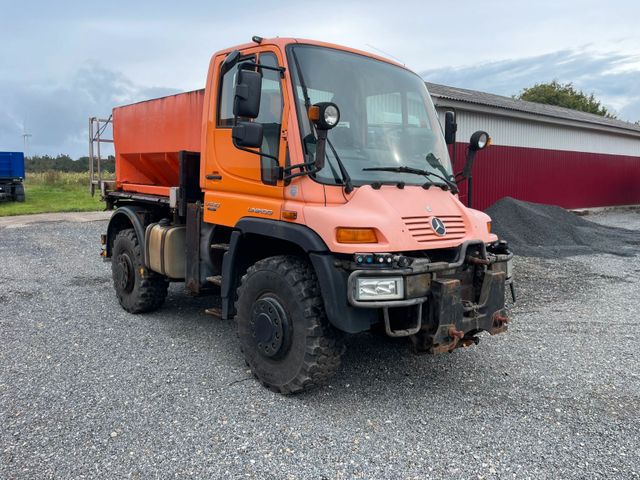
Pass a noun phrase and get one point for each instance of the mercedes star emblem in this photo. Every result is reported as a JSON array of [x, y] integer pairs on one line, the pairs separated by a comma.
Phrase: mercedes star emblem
[[438, 227]]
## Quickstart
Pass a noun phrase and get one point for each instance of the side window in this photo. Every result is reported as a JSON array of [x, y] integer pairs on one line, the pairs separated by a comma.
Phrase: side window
[[270, 105], [225, 100]]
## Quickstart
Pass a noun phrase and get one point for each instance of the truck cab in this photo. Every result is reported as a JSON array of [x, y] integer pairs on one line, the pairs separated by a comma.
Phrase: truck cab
[[308, 190]]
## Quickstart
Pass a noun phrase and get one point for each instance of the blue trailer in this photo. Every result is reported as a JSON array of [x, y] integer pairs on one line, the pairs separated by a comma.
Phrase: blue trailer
[[12, 176]]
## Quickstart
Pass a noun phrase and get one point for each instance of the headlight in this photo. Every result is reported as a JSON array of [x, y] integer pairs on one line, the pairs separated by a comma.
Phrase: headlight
[[325, 115], [372, 288], [509, 268], [479, 140], [331, 115]]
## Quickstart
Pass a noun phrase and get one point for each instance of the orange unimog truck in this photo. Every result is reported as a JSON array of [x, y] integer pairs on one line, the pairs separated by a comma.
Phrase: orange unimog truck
[[307, 189]]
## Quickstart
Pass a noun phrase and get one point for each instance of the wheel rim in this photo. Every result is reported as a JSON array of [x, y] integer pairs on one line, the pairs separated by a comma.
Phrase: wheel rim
[[124, 273], [270, 327]]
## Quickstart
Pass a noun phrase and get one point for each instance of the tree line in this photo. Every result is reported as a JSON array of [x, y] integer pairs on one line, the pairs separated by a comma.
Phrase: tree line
[[64, 163]]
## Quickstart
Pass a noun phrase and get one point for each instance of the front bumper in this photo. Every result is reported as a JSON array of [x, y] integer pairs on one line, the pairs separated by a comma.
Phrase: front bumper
[[441, 312]]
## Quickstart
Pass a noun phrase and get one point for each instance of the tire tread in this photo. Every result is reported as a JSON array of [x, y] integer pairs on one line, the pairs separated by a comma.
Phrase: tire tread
[[152, 288], [324, 346]]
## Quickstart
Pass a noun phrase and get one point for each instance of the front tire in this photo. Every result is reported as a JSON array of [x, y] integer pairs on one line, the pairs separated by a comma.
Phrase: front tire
[[138, 289], [282, 326]]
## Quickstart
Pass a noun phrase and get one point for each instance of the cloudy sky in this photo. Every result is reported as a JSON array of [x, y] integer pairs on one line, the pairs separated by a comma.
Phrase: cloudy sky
[[62, 61]]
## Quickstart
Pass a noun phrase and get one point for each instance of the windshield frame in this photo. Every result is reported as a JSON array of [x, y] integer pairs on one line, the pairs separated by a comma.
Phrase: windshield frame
[[304, 125]]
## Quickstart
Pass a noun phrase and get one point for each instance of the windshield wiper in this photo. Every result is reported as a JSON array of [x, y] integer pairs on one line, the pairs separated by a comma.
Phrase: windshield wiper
[[415, 171], [346, 178], [435, 162]]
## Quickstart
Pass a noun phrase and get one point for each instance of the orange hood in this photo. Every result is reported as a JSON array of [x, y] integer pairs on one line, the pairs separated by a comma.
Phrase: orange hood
[[401, 218]]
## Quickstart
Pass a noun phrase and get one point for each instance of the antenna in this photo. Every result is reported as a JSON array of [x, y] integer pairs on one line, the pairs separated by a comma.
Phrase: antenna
[[386, 53]]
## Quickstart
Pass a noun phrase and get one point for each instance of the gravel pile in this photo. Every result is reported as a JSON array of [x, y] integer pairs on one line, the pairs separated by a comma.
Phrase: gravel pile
[[535, 230]]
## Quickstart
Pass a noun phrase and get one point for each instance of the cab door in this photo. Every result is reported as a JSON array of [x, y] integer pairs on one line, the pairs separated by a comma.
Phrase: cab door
[[239, 183]]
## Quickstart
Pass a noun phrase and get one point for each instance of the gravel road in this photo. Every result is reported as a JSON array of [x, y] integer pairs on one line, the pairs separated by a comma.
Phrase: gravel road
[[89, 391]]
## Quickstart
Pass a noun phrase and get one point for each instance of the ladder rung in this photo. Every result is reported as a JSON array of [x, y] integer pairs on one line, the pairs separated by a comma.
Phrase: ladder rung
[[220, 246], [216, 280]]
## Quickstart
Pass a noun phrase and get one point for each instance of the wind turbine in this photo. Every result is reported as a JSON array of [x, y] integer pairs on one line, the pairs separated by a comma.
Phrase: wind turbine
[[25, 138]]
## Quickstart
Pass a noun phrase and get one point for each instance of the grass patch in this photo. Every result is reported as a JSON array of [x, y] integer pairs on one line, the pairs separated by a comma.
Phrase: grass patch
[[54, 192]]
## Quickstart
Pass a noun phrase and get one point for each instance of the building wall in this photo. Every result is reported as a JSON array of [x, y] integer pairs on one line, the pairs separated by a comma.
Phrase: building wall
[[546, 163]]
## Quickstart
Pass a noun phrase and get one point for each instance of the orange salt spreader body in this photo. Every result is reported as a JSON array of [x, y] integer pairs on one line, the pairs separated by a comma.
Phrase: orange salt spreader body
[[308, 186]]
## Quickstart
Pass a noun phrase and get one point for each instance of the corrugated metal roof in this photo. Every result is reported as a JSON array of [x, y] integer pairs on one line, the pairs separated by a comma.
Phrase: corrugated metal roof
[[498, 101]]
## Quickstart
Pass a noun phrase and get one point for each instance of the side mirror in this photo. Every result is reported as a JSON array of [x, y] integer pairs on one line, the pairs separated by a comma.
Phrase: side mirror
[[246, 101], [450, 127], [247, 135], [479, 141]]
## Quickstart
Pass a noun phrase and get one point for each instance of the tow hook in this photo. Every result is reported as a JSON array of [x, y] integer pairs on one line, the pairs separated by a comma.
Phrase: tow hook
[[500, 320], [477, 261], [466, 342], [455, 333]]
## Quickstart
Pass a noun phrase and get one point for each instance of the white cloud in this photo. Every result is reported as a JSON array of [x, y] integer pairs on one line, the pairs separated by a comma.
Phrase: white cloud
[[488, 44], [613, 77], [57, 114]]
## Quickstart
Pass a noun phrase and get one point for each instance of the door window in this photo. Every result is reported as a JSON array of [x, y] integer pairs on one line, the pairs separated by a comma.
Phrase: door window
[[225, 101], [270, 117], [270, 105], [270, 102]]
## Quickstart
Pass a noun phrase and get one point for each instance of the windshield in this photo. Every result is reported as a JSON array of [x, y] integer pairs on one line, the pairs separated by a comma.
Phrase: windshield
[[387, 118]]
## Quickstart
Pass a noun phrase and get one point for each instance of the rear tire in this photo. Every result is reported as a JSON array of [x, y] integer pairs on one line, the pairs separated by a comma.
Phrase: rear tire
[[138, 289], [282, 326], [19, 193]]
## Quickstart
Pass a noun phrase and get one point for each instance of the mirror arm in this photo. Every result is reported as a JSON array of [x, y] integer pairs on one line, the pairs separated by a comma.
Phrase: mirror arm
[[299, 174], [468, 164], [302, 166], [467, 174], [248, 150], [459, 178], [299, 165], [263, 67], [280, 171], [321, 145]]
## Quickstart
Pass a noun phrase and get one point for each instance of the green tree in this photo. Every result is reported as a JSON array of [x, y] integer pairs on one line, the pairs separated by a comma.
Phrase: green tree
[[64, 163], [564, 95]]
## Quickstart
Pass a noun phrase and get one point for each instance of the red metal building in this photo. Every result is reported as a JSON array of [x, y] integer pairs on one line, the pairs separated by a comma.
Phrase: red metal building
[[542, 153]]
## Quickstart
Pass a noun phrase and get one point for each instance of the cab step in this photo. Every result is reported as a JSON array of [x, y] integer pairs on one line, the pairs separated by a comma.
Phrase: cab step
[[220, 246], [216, 280]]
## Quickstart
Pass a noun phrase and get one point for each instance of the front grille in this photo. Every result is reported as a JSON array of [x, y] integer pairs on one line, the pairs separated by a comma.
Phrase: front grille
[[420, 228]]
